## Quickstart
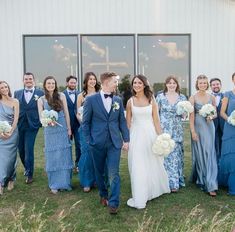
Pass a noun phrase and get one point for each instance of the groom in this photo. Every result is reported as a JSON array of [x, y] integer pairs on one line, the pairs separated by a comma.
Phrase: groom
[[104, 126]]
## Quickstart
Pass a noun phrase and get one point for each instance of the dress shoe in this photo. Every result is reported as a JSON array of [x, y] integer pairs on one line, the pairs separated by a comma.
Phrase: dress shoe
[[29, 180], [86, 189], [54, 191], [10, 185], [113, 210], [1, 190], [212, 194], [103, 201], [174, 190]]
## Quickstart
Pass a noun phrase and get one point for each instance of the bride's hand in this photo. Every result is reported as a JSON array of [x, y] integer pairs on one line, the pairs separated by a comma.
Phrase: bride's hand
[[125, 146]]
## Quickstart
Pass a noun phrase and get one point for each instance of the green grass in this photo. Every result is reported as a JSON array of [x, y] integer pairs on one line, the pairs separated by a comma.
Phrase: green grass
[[172, 212]]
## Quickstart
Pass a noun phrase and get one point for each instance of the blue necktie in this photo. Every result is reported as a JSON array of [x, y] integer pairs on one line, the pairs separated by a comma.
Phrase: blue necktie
[[28, 90], [108, 95]]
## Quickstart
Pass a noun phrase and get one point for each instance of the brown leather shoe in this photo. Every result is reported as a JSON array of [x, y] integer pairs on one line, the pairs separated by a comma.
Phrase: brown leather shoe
[[113, 210], [29, 180], [103, 201]]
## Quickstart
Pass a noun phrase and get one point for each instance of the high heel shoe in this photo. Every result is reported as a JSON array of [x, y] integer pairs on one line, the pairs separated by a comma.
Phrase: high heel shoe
[[10, 185], [86, 189], [212, 194]]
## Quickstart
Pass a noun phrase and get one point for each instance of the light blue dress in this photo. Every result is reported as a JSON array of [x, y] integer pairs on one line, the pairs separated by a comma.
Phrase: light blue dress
[[8, 148], [58, 153], [204, 160], [227, 162], [172, 124]]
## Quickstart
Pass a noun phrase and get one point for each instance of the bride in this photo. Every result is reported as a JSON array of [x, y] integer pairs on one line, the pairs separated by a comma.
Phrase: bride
[[147, 173]]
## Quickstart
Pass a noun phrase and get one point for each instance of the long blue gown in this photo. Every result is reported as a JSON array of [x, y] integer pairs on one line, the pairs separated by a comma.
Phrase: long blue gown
[[58, 153], [204, 161], [172, 124], [8, 148], [227, 162]]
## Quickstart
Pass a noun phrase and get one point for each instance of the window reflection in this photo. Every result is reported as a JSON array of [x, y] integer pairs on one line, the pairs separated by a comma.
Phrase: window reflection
[[162, 55], [101, 53], [51, 55]]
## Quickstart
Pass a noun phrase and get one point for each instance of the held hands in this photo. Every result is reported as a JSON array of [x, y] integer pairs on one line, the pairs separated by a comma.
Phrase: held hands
[[194, 136], [125, 146]]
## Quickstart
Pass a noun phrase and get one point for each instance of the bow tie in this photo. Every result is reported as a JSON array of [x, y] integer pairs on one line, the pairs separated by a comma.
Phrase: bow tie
[[28, 90], [216, 94], [108, 95], [71, 92]]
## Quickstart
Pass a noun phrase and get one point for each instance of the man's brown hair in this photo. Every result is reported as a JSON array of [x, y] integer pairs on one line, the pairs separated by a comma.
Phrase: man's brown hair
[[106, 76]]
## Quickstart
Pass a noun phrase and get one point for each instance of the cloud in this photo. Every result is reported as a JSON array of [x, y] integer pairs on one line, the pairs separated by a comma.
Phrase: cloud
[[94, 47], [173, 51], [62, 53]]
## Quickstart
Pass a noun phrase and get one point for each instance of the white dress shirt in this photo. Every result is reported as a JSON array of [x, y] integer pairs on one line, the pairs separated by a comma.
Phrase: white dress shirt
[[72, 96], [106, 101], [28, 95]]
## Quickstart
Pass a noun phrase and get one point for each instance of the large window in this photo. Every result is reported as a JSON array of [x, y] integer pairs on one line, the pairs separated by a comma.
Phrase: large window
[[155, 56], [51, 55], [162, 55], [101, 53]]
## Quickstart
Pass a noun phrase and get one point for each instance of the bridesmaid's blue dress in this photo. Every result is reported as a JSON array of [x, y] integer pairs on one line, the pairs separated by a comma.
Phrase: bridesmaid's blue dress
[[204, 161], [8, 148], [227, 161], [58, 153]]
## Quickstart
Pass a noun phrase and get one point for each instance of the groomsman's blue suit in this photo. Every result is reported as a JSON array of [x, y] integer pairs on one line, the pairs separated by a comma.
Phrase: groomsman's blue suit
[[219, 126], [28, 126], [105, 133], [72, 107]]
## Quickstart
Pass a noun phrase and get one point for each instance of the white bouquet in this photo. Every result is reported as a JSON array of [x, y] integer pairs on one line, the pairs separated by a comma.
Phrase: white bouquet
[[80, 112], [163, 145], [207, 111], [184, 108], [5, 127], [49, 117], [231, 118]]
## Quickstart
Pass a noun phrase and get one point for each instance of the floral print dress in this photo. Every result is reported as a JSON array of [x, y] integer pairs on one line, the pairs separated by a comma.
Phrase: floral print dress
[[172, 124]]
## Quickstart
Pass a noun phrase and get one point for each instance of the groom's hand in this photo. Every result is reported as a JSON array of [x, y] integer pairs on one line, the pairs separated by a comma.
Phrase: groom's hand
[[125, 146]]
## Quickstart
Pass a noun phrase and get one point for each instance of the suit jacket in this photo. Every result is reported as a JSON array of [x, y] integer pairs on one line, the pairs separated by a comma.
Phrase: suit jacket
[[219, 121], [97, 123], [29, 112], [72, 108]]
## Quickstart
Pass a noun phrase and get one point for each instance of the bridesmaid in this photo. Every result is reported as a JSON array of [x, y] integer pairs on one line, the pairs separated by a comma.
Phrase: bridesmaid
[[227, 162], [85, 165], [9, 111], [204, 161], [171, 123], [58, 150]]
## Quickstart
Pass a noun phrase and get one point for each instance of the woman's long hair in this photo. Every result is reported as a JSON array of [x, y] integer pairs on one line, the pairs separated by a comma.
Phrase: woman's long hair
[[85, 83], [9, 93], [168, 79], [54, 102], [147, 91]]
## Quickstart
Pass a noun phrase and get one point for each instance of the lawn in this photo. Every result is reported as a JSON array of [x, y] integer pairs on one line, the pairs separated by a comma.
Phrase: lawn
[[34, 208]]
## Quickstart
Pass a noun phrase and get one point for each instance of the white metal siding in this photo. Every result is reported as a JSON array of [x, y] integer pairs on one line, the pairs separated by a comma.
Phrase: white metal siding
[[211, 24]]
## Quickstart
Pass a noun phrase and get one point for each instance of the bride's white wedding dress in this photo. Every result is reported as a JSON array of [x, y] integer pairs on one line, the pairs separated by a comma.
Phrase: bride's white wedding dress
[[147, 173]]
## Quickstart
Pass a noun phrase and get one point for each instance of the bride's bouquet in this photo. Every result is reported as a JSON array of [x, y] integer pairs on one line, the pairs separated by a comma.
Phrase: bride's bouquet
[[5, 127], [49, 118], [231, 118], [207, 111], [163, 145], [184, 108]]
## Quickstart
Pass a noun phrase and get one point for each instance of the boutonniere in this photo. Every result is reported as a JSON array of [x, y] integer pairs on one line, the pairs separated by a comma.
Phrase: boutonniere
[[36, 97], [115, 106]]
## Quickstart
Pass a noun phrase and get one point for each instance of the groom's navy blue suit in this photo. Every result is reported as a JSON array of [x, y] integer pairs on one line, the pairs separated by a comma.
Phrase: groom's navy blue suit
[[105, 133], [219, 126], [28, 126], [72, 107]]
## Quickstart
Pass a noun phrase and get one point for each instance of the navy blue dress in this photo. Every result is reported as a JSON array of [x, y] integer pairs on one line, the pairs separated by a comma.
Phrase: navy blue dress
[[227, 162]]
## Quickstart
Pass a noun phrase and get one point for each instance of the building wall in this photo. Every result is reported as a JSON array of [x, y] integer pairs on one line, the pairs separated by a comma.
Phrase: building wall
[[211, 24]]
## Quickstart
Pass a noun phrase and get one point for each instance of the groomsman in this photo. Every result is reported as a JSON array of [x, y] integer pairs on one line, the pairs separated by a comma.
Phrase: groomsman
[[71, 96], [28, 123], [215, 84]]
